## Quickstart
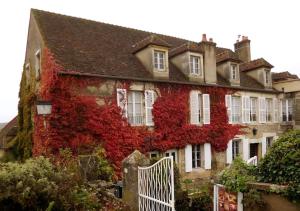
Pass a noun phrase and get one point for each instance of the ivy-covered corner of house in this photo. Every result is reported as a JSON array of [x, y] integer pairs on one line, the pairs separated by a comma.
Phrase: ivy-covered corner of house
[[21, 146]]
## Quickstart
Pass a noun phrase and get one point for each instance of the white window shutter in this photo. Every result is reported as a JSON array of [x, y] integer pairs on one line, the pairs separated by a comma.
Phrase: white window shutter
[[275, 110], [206, 109], [245, 149], [243, 109], [207, 156], [263, 146], [229, 152], [262, 110], [122, 101], [194, 107], [228, 106], [188, 158], [280, 110], [149, 101], [247, 109]]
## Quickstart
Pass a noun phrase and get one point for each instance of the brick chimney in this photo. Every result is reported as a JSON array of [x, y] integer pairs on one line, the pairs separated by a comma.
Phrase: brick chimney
[[242, 49]]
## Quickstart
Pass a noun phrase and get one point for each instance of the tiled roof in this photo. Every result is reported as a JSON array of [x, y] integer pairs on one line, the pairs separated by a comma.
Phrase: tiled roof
[[224, 54], [94, 48], [188, 46], [283, 76], [10, 129], [254, 64], [152, 39]]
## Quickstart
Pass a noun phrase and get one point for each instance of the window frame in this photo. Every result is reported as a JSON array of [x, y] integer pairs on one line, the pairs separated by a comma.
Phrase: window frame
[[157, 61], [287, 108], [171, 152], [235, 71], [269, 109], [253, 109], [235, 110], [196, 156], [134, 122], [192, 64], [235, 148], [269, 141]]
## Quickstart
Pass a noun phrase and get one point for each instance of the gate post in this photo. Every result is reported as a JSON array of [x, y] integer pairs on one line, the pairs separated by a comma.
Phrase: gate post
[[130, 178]]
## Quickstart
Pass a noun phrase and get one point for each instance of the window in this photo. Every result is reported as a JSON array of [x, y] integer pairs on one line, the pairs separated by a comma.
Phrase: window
[[37, 64], [236, 109], [199, 108], [287, 110], [269, 109], [235, 148], [267, 76], [195, 65], [135, 114], [253, 109], [234, 71], [196, 156], [172, 153], [269, 141], [159, 60], [154, 154]]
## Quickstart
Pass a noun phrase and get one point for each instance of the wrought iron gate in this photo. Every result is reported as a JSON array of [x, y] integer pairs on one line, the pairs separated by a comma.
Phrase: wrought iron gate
[[156, 186]]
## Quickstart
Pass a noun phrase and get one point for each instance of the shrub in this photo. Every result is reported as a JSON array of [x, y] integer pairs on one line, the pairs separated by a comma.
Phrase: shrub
[[37, 185], [281, 165], [237, 175]]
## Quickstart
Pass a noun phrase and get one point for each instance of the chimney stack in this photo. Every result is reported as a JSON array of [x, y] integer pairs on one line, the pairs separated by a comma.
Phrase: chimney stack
[[242, 49], [209, 62], [204, 39]]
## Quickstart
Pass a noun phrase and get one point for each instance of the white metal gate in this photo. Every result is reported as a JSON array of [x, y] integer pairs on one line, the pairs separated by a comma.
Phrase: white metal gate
[[156, 186]]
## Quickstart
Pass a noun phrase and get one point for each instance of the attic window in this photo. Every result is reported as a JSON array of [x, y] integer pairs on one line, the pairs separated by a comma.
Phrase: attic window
[[37, 64], [267, 76], [234, 71], [195, 65], [159, 60]]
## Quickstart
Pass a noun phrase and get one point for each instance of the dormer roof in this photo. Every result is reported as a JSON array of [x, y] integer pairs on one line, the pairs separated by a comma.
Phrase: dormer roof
[[188, 46], [225, 54], [254, 64], [152, 39]]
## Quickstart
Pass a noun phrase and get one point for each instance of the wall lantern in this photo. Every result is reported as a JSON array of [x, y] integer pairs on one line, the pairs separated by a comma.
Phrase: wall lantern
[[43, 108], [254, 131]]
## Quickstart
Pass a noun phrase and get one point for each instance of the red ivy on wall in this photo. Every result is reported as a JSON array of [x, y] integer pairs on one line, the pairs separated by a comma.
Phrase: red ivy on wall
[[79, 123]]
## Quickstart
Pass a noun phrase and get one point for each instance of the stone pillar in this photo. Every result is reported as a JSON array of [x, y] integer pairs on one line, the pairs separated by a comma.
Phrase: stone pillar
[[130, 178]]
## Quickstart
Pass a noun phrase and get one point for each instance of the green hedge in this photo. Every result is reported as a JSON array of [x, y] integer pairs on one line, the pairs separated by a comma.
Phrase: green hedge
[[281, 165], [38, 185]]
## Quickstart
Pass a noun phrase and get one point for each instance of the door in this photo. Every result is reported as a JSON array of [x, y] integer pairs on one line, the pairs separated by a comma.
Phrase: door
[[253, 150]]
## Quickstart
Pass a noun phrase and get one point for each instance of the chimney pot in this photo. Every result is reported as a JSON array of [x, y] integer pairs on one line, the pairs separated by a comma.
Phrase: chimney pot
[[211, 40], [204, 38]]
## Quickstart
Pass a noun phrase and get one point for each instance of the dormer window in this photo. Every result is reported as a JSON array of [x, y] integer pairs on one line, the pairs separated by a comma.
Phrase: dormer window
[[234, 72], [159, 60], [267, 76], [195, 65]]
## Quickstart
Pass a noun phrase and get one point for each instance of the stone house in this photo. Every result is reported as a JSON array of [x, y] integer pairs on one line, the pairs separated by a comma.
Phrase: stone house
[[289, 85], [89, 49]]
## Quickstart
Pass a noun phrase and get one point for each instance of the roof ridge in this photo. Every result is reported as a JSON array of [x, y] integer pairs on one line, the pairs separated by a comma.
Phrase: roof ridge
[[115, 25]]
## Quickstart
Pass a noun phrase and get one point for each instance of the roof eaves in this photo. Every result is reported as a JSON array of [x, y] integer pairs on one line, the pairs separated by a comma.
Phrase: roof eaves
[[165, 81]]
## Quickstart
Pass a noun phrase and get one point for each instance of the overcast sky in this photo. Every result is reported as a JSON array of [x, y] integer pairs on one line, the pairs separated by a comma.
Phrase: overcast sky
[[272, 27]]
